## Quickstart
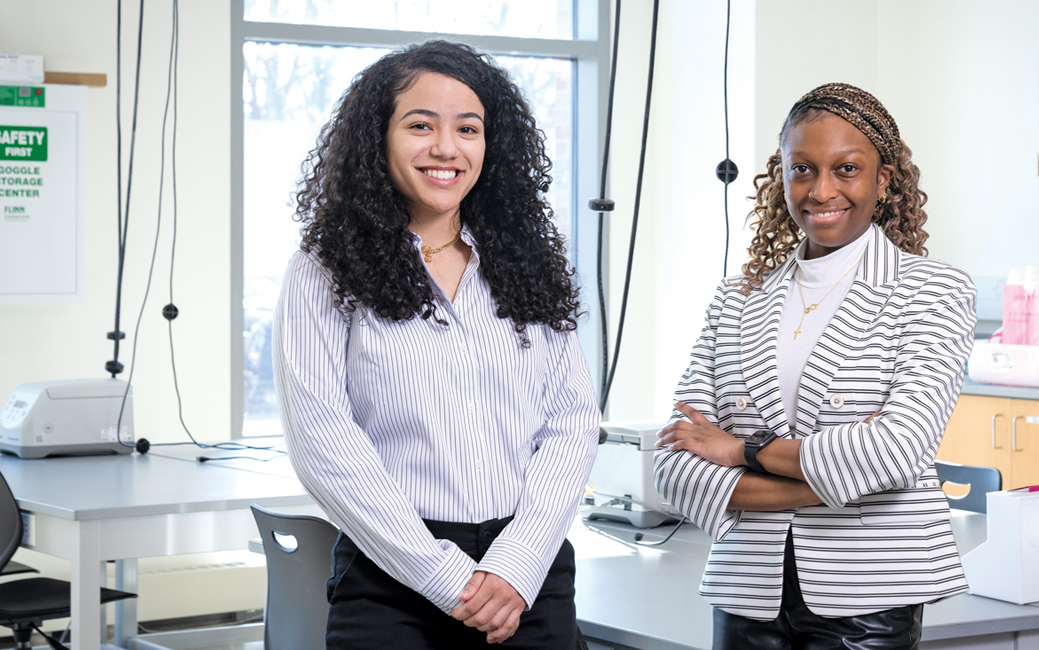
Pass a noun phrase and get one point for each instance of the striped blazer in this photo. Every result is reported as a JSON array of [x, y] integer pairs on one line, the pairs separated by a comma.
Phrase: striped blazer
[[899, 343]]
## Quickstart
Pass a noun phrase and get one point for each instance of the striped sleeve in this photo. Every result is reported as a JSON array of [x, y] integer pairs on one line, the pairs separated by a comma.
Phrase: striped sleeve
[[846, 462], [334, 459], [699, 488], [555, 477]]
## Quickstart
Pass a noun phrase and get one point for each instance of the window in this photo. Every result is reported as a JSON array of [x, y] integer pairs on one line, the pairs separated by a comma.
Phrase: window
[[298, 56]]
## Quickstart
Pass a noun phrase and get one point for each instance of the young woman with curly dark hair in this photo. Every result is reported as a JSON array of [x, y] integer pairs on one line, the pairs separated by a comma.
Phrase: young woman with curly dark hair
[[434, 399], [805, 428]]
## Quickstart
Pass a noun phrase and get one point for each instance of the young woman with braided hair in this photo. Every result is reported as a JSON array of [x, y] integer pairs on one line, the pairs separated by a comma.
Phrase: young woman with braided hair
[[805, 428]]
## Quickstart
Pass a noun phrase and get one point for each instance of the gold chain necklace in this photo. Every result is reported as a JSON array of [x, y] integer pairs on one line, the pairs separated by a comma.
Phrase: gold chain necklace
[[810, 308], [428, 252]]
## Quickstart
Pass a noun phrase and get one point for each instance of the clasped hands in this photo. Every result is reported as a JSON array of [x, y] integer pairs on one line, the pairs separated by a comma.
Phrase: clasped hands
[[491, 605]]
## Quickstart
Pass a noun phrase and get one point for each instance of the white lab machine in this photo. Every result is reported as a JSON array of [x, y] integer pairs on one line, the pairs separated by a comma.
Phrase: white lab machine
[[1010, 365], [69, 417], [621, 483], [1005, 565]]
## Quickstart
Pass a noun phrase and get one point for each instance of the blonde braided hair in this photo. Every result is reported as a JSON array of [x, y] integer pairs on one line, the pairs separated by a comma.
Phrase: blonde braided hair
[[901, 217]]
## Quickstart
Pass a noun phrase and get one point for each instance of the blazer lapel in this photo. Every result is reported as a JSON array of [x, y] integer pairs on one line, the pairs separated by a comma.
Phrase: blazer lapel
[[759, 331], [874, 282]]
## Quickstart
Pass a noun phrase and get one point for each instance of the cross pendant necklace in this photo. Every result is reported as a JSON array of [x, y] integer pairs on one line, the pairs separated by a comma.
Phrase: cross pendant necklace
[[807, 311]]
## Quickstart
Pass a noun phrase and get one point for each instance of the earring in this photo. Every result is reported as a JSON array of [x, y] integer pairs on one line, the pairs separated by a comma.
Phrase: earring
[[880, 204]]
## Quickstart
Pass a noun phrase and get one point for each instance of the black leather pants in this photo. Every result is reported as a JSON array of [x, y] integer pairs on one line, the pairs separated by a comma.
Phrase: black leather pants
[[797, 627]]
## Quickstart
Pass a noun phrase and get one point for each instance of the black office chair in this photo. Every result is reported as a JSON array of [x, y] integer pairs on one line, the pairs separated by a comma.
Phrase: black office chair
[[981, 480], [299, 562], [26, 603]]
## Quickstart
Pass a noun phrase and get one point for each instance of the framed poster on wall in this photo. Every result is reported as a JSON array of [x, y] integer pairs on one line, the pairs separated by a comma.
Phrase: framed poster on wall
[[42, 190]]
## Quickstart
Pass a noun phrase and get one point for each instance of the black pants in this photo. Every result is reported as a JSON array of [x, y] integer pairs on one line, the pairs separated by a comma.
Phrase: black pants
[[369, 610], [797, 627]]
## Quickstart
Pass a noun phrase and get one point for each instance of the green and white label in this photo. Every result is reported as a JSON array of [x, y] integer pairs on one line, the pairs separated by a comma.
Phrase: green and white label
[[28, 143]]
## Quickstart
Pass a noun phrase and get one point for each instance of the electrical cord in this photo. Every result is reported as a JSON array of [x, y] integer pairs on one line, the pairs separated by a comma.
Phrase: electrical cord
[[604, 205], [114, 366], [635, 215], [726, 170], [659, 542], [730, 166], [170, 311], [123, 216]]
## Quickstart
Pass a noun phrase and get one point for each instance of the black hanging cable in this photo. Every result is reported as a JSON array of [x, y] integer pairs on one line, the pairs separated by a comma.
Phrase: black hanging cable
[[635, 215], [726, 170], [123, 215], [604, 205], [142, 447], [170, 310]]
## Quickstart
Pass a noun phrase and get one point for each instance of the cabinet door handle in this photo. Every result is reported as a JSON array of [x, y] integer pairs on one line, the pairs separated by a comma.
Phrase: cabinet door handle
[[994, 416], [1013, 432]]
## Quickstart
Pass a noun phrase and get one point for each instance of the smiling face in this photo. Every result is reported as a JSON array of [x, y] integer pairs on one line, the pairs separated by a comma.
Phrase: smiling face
[[435, 145], [832, 178]]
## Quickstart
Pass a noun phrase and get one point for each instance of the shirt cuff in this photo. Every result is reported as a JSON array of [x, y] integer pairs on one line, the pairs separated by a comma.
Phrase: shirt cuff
[[446, 584], [517, 565]]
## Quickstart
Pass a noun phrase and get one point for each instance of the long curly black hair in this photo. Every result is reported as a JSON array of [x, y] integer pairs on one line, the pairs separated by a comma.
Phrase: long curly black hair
[[356, 221]]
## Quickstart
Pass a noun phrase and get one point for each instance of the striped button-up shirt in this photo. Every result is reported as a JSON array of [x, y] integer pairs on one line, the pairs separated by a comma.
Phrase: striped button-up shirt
[[391, 422]]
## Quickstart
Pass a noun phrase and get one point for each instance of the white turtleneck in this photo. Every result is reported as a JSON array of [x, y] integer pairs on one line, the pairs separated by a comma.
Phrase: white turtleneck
[[816, 278]]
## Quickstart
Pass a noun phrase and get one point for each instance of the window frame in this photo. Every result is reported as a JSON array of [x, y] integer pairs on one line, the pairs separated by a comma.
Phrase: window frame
[[590, 52]]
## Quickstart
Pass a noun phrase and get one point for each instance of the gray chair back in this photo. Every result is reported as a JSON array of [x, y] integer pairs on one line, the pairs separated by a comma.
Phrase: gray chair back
[[981, 480], [299, 561]]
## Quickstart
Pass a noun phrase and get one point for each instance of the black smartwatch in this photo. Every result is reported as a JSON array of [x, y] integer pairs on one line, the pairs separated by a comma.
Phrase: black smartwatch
[[754, 443]]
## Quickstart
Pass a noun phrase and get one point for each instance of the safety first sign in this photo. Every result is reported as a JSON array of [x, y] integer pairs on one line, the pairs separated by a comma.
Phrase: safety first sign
[[23, 143]]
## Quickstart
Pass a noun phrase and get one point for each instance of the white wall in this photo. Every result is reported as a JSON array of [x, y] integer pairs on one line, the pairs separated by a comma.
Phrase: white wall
[[802, 44], [58, 342], [962, 79]]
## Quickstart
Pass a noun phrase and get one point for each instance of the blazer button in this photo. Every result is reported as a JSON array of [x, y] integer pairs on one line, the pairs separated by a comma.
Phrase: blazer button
[[836, 400], [741, 403]]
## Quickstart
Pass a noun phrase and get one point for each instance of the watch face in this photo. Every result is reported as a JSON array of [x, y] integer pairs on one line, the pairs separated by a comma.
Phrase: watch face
[[759, 438]]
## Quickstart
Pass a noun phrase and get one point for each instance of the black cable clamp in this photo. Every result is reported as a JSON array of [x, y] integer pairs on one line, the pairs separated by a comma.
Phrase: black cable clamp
[[726, 171], [601, 205], [170, 311], [113, 367], [112, 336]]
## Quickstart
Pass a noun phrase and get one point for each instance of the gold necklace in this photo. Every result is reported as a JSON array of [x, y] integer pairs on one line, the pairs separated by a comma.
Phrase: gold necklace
[[428, 252], [810, 308]]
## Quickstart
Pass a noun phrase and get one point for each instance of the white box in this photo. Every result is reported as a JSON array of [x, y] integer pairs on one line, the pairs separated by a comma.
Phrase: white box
[[1010, 365], [21, 68], [1005, 566]]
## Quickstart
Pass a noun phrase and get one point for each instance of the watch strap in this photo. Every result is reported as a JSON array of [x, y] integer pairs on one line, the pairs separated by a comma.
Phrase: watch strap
[[752, 445]]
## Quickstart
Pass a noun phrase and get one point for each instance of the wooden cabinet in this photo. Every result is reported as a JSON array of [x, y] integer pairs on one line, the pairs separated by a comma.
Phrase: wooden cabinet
[[998, 432], [1024, 433]]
